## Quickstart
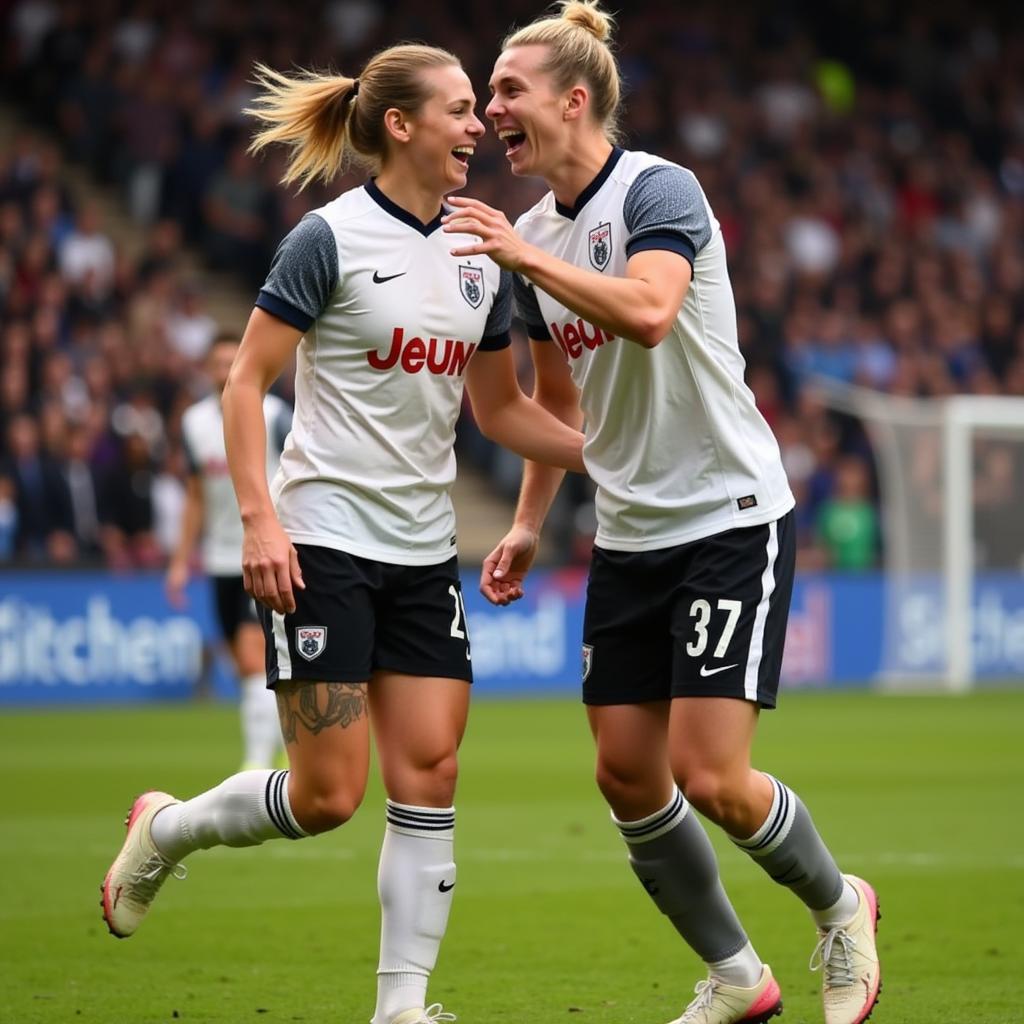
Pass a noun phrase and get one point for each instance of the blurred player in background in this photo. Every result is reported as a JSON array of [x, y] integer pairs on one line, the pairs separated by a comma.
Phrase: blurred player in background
[[211, 513], [353, 558], [623, 284]]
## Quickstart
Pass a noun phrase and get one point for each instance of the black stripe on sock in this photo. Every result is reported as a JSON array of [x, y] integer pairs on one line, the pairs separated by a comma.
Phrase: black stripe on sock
[[421, 828], [420, 820], [276, 806], [780, 817], [437, 825], [632, 830]]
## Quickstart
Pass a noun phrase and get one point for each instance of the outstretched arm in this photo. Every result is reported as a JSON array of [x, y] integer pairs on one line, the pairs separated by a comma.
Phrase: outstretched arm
[[641, 306], [506, 416]]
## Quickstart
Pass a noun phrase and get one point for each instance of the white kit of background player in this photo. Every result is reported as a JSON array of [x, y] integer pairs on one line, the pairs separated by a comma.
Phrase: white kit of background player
[[212, 508]]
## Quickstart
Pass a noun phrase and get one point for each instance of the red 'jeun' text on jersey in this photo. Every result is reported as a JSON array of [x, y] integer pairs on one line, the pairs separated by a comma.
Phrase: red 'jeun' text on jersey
[[572, 338], [416, 354]]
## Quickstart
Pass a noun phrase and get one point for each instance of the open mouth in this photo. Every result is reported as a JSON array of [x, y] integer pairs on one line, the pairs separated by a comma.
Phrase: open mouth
[[462, 154], [513, 139]]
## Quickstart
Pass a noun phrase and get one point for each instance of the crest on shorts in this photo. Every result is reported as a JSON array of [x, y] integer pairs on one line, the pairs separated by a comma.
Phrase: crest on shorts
[[471, 284], [588, 660], [601, 246], [310, 641]]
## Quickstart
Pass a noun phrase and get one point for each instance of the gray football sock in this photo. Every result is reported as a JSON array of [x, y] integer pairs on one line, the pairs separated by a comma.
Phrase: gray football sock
[[789, 848], [672, 856]]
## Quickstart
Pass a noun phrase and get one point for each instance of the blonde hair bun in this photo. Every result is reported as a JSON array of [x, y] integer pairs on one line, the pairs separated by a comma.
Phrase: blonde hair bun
[[590, 17]]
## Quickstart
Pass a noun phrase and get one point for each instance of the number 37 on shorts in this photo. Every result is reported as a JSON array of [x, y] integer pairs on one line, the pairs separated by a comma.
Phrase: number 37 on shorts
[[704, 619]]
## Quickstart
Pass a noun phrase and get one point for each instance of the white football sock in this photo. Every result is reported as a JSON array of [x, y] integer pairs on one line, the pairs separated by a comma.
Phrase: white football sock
[[743, 968], [245, 810], [841, 912], [261, 728], [415, 880]]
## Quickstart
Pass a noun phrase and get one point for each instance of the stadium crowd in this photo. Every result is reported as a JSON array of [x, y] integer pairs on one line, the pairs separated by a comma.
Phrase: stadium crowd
[[866, 163]]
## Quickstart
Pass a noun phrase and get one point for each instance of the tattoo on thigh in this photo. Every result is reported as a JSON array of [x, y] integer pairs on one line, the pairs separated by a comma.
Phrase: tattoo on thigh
[[318, 706]]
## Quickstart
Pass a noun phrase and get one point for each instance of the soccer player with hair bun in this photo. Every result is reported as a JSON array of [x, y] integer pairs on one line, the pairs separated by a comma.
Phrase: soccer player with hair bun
[[350, 551], [621, 278]]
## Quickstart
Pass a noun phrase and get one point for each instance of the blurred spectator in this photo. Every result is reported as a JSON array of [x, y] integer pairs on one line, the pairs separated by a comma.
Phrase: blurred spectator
[[234, 211], [44, 518], [190, 330], [8, 518], [83, 483], [87, 255], [847, 522], [127, 512], [998, 493]]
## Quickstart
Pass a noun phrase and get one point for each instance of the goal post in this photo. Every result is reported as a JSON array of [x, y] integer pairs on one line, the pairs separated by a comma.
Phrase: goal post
[[951, 485], [964, 418]]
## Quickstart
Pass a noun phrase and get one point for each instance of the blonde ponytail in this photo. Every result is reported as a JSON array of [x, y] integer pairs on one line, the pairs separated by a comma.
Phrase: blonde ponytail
[[309, 114], [326, 120]]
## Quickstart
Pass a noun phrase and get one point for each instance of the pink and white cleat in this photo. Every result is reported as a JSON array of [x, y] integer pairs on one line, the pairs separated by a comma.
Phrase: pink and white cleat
[[138, 870], [848, 959], [718, 1003]]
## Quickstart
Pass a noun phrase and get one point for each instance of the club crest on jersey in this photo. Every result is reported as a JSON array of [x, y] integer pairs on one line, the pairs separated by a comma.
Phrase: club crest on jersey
[[471, 284], [588, 660], [310, 641], [601, 246]]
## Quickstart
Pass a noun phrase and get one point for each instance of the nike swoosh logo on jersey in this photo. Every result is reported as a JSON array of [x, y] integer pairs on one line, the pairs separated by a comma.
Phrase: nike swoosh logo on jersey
[[705, 671], [443, 886], [377, 279]]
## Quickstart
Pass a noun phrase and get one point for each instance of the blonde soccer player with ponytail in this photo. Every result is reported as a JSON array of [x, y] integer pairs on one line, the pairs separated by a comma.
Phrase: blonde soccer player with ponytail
[[621, 279], [350, 551]]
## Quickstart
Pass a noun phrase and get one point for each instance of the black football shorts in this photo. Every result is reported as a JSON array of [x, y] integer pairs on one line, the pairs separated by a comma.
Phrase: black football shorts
[[357, 615], [704, 619]]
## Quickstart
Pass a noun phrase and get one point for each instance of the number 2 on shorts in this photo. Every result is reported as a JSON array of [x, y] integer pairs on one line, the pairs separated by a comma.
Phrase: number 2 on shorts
[[459, 618]]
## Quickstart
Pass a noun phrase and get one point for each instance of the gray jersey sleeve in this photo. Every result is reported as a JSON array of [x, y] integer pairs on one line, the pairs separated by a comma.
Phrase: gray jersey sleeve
[[303, 274], [665, 209], [528, 309], [499, 320]]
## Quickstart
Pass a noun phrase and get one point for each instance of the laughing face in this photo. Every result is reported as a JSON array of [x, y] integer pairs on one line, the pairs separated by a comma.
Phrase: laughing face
[[527, 111], [445, 130]]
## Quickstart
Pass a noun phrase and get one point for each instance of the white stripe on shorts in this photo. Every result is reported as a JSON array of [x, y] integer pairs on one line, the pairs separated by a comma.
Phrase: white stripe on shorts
[[284, 657], [761, 615]]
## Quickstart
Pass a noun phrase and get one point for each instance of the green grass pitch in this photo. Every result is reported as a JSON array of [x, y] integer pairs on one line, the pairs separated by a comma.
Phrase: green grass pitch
[[920, 795]]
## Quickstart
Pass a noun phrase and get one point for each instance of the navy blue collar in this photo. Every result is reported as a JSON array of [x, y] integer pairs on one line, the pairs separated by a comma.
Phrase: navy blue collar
[[397, 212], [572, 212]]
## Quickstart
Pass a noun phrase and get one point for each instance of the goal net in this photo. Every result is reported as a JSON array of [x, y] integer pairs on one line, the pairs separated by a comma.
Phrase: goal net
[[951, 484]]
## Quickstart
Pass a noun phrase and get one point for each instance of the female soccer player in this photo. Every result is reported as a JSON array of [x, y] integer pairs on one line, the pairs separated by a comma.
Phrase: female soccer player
[[351, 552], [622, 282], [211, 512]]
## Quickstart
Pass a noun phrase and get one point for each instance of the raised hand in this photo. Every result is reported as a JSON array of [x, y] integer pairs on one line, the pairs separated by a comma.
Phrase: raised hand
[[498, 238]]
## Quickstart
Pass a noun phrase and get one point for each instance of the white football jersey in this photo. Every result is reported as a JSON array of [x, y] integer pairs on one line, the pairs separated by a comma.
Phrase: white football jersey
[[674, 441], [202, 429], [391, 320]]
